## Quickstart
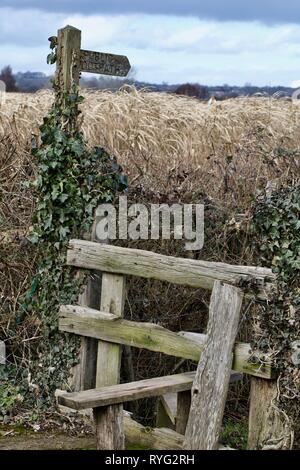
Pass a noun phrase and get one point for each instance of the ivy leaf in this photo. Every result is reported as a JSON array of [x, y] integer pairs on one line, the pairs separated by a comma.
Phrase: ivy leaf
[[77, 147], [63, 197], [123, 182], [51, 58], [33, 238], [63, 231]]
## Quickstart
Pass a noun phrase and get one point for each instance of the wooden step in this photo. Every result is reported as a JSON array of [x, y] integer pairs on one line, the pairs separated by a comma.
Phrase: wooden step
[[131, 391]]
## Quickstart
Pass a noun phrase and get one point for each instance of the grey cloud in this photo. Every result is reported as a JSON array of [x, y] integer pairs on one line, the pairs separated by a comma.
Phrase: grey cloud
[[270, 11]]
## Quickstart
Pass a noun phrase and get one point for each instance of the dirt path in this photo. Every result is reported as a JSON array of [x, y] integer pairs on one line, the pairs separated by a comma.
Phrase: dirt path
[[46, 441]]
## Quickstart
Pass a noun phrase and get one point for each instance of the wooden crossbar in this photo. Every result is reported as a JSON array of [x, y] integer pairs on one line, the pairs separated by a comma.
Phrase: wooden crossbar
[[193, 273], [112, 395], [100, 325]]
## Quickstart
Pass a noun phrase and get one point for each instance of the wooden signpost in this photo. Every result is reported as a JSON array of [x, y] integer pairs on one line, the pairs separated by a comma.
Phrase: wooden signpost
[[71, 60]]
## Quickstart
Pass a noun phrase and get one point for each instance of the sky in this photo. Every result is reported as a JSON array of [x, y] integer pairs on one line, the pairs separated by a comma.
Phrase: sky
[[206, 41]]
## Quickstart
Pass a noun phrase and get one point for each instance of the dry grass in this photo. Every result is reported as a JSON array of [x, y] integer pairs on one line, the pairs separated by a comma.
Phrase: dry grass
[[164, 137], [173, 149]]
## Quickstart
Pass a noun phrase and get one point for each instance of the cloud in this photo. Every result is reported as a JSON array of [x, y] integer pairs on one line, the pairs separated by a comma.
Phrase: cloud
[[229, 10], [27, 27], [162, 48], [189, 36]]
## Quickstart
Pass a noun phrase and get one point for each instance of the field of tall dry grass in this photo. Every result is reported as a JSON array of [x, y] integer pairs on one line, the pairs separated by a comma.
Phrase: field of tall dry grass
[[174, 149], [165, 142]]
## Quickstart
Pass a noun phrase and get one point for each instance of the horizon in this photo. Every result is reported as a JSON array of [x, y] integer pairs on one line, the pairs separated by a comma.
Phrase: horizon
[[88, 76]]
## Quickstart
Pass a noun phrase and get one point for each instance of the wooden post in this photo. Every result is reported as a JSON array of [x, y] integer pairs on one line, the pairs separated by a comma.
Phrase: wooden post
[[109, 427], [268, 429], [68, 58], [84, 373], [67, 74], [166, 411], [109, 419], [183, 411], [211, 383]]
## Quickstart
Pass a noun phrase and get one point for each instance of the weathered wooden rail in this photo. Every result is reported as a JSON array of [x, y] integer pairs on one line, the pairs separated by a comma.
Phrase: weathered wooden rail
[[192, 273], [203, 391], [107, 327]]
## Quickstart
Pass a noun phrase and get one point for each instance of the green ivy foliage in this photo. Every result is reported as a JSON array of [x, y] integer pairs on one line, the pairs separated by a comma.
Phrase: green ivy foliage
[[71, 182], [276, 227], [277, 224]]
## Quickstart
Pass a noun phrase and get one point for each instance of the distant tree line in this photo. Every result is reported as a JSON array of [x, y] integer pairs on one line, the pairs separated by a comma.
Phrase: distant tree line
[[8, 78], [194, 90], [30, 82]]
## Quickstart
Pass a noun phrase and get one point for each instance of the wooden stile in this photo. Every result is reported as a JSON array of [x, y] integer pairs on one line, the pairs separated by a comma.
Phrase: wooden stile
[[103, 332], [106, 338]]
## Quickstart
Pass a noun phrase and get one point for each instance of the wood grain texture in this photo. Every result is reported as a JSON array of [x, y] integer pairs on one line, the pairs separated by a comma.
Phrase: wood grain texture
[[183, 411], [109, 427], [131, 391], [166, 411], [101, 325], [151, 438], [108, 421], [242, 357], [127, 392], [211, 383], [91, 297], [68, 57], [267, 428], [103, 63], [109, 355], [193, 273]]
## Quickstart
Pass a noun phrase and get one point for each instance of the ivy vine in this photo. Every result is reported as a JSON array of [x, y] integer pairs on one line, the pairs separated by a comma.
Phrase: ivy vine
[[71, 182], [276, 225]]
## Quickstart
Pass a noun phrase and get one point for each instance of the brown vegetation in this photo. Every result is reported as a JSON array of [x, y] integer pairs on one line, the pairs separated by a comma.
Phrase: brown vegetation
[[174, 149]]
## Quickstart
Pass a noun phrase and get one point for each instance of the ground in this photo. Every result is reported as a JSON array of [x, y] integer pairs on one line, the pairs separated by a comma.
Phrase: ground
[[234, 435]]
